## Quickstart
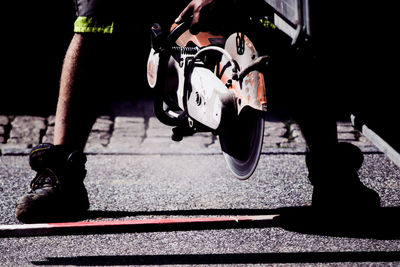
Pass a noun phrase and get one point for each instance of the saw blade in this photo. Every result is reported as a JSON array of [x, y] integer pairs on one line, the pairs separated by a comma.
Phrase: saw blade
[[241, 143]]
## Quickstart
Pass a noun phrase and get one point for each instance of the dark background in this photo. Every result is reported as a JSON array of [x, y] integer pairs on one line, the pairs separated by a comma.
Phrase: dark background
[[36, 34]]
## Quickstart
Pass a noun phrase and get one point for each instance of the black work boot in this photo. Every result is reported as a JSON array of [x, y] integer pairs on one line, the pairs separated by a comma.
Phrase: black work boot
[[57, 191], [336, 182]]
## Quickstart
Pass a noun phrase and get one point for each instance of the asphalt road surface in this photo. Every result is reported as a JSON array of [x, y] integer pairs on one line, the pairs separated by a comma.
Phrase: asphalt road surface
[[125, 187]]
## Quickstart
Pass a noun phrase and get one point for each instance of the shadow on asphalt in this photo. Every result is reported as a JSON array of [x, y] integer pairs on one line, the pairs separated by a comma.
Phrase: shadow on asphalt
[[239, 258], [382, 223]]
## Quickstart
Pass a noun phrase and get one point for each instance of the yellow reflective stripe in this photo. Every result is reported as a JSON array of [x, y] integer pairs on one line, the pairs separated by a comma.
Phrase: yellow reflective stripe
[[90, 24], [267, 24], [39, 149]]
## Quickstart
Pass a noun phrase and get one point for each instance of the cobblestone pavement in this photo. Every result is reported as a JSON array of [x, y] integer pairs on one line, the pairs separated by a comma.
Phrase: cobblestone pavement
[[135, 130]]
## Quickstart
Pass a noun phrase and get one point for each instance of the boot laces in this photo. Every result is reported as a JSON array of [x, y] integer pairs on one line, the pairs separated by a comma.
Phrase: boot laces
[[45, 178]]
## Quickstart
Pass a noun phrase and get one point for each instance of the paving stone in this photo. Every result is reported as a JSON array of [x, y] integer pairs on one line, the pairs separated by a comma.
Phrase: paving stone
[[346, 132], [297, 137], [214, 146], [362, 139], [3, 120], [98, 139], [3, 123], [48, 137], [294, 126], [10, 149], [346, 136], [127, 135], [365, 147], [124, 144], [129, 126], [100, 135], [274, 134], [273, 128], [274, 141], [158, 129], [290, 144], [26, 130], [51, 120], [344, 127], [278, 132], [102, 124], [147, 135]]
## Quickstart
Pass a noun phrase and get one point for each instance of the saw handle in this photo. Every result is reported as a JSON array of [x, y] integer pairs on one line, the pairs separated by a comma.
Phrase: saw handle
[[176, 32]]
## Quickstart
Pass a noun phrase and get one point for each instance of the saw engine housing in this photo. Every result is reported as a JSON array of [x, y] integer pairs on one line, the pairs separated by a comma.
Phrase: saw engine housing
[[205, 82]]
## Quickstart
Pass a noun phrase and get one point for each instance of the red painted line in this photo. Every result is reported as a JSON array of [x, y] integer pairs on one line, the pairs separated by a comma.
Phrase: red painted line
[[154, 221], [125, 226]]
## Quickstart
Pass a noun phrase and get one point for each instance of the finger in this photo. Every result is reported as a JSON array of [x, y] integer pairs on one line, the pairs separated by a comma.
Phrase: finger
[[186, 13], [195, 26]]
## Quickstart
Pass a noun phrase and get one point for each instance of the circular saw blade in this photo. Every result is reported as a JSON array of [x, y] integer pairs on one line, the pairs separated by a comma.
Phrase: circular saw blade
[[241, 143]]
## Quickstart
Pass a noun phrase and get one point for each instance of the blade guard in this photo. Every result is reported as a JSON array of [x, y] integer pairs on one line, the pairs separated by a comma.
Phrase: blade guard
[[250, 89], [206, 102]]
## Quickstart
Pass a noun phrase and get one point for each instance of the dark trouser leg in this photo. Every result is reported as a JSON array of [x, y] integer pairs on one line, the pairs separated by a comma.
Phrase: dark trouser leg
[[332, 166]]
